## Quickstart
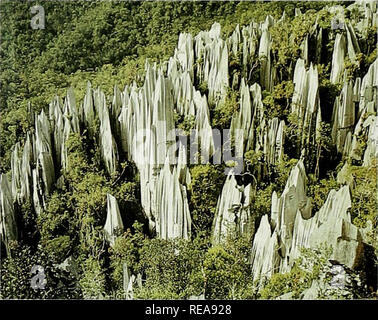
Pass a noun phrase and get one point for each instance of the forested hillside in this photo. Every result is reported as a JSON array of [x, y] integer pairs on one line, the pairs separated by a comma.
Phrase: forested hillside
[[106, 214]]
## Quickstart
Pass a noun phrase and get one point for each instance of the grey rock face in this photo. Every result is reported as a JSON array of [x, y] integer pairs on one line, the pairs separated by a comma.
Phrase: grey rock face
[[286, 296], [353, 117], [338, 58], [305, 104], [312, 293], [172, 212], [213, 51], [346, 45], [147, 131], [345, 177], [264, 54], [232, 214], [332, 225], [343, 118], [265, 257], [367, 14], [8, 226], [371, 152], [113, 225], [277, 243], [292, 202], [274, 141], [108, 146]]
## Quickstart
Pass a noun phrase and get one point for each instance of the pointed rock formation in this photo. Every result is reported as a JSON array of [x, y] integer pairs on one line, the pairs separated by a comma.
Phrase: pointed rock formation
[[277, 244], [8, 226], [113, 225], [172, 212], [232, 213]]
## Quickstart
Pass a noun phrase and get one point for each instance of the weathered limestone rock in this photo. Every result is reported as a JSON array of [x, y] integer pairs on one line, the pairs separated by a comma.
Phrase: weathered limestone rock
[[292, 202], [16, 170], [115, 111], [140, 120], [352, 44], [339, 50], [37, 183], [213, 52], [27, 156], [256, 139], [366, 95], [242, 120], [313, 292], [368, 233], [332, 226], [172, 211], [293, 198], [346, 44], [371, 152], [70, 111], [251, 131], [113, 225], [184, 53], [343, 118], [146, 125], [367, 17], [232, 214], [184, 90], [42, 134], [311, 46], [265, 258], [234, 40], [57, 117], [305, 104], [43, 153], [88, 110], [274, 141], [368, 90], [286, 296], [264, 54], [8, 226], [38, 199], [250, 35], [46, 164], [108, 146], [203, 137], [292, 227]]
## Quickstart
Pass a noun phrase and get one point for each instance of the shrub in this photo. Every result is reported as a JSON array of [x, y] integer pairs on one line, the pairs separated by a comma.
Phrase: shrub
[[222, 114], [169, 267], [17, 279], [205, 187], [93, 279], [227, 270]]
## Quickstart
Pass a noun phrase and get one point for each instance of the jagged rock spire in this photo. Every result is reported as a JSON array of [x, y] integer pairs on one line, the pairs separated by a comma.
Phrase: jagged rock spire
[[113, 225], [8, 226], [233, 210], [292, 226]]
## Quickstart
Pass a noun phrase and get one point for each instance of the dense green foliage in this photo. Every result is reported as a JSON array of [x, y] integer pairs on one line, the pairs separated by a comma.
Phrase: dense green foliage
[[17, 281], [205, 188], [107, 43]]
